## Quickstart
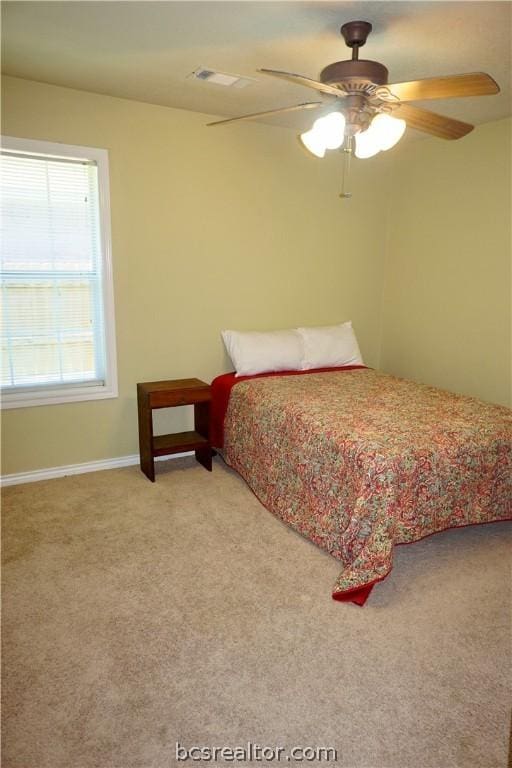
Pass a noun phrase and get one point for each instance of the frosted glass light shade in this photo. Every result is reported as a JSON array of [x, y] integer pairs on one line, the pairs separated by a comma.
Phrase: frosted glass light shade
[[328, 132], [367, 144], [384, 132], [314, 142], [332, 129], [388, 129]]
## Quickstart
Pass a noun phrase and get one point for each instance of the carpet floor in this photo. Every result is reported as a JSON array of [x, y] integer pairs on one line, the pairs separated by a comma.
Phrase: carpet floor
[[139, 615]]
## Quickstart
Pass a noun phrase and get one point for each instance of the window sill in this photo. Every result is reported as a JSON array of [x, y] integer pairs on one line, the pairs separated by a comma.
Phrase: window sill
[[57, 396]]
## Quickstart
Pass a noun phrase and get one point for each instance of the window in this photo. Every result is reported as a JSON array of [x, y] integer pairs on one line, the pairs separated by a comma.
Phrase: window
[[58, 341]]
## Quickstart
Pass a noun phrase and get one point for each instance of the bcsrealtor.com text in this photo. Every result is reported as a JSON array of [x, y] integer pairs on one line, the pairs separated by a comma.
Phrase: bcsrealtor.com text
[[251, 752]]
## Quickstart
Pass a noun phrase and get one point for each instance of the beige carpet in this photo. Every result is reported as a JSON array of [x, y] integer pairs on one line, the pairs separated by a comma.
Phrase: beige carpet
[[137, 615]]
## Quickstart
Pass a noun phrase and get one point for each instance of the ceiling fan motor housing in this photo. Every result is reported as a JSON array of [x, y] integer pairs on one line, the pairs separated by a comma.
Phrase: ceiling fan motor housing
[[342, 72]]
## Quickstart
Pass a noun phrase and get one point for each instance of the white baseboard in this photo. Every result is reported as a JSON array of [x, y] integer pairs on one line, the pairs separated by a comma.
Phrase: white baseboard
[[79, 469]]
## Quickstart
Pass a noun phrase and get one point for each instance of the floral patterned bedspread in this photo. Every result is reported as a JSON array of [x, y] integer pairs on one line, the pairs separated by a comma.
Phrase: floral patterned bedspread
[[358, 461]]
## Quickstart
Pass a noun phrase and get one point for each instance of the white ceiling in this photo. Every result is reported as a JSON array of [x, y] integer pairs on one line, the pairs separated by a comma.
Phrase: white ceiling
[[145, 50]]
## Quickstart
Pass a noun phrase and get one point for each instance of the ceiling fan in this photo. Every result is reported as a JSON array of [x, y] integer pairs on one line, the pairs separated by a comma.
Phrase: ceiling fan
[[368, 111]]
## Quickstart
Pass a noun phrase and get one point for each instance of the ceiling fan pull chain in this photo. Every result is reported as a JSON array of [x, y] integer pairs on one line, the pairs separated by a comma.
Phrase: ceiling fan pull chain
[[347, 156]]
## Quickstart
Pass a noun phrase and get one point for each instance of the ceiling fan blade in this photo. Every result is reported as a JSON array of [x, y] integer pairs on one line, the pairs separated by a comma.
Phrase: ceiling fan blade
[[307, 81], [449, 87], [306, 105], [430, 122]]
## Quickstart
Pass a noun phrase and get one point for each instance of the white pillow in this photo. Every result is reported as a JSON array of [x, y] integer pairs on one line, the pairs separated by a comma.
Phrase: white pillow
[[329, 346], [257, 352]]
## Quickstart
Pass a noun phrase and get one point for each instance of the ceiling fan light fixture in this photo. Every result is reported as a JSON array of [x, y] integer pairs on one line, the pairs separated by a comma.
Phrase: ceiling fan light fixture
[[314, 142]]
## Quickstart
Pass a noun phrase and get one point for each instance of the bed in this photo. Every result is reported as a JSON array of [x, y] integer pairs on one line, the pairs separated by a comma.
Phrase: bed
[[359, 461]]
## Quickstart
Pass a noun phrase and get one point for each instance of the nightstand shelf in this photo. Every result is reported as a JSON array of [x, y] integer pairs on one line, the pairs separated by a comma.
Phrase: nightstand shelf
[[178, 442], [168, 394]]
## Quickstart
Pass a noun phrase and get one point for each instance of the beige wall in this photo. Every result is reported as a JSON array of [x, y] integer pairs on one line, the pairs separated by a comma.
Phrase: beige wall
[[448, 290], [212, 228], [236, 227]]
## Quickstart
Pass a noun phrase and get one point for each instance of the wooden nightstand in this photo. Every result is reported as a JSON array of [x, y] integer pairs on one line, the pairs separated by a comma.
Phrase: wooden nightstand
[[167, 394]]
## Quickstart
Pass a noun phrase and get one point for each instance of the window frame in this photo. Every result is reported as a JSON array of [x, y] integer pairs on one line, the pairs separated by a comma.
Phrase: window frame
[[72, 393]]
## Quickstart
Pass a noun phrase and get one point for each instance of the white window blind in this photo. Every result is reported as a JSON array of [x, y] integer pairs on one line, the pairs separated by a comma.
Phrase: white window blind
[[54, 334]]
